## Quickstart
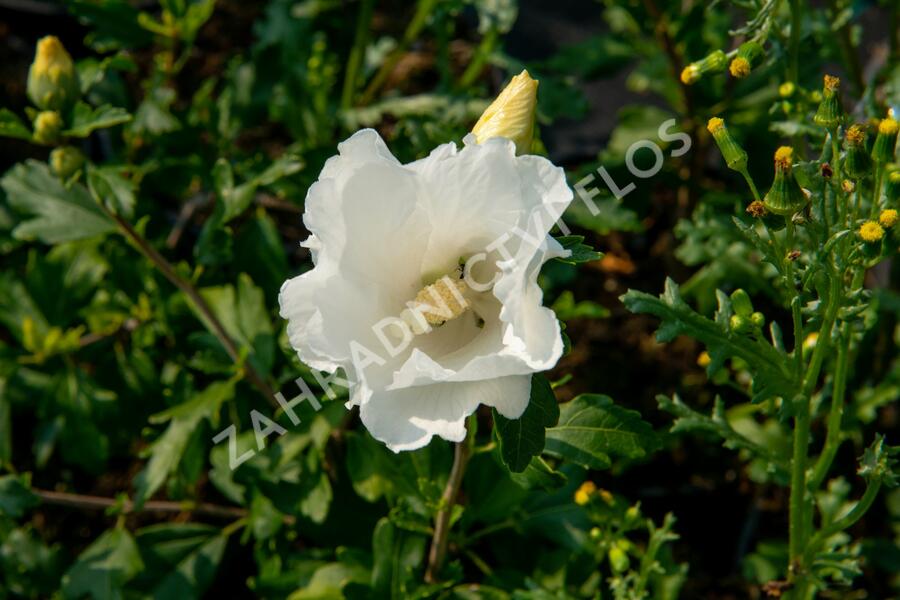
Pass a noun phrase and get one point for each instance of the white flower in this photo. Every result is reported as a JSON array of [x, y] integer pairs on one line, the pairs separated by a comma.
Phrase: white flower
[[381, 234]]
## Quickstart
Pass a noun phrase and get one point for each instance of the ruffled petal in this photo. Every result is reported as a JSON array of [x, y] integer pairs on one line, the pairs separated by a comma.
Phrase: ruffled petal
[[407, 419]]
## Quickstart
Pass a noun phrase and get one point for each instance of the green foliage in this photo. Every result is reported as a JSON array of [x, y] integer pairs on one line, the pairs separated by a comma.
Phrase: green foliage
[[194, 130]]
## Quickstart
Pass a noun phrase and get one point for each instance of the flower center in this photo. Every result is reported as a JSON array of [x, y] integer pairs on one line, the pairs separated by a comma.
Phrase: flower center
[[435, 304]]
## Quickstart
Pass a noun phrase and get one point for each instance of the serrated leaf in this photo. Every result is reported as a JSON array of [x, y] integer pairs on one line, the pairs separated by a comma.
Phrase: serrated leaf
[[592, 429], [195, 573], [523, 438], [12, 126], [772, 377], [107, 185], [167, 451], [579, 251], [86, 119], [61, 214], [104, 567]]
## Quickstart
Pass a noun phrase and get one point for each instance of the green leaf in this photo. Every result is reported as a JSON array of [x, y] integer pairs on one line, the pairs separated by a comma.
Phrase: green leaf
[[690, 420], [15, 496], [86, 119], [580, 252], [12, 126], [244, 315], [104, 567], [374, 471], [62, 214], [772, 377], [195, 573], [592, 429], [167, 451], [540, 474], [109, 186], [396, 553], [523, 438]]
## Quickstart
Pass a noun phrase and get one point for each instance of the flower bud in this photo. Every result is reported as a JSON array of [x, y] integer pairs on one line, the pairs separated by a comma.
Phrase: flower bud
[[65, 161], [830, 111], [758, 320], [52, 79], [888, 218], [785, 197], [741, 303], [892, 189], [713, 63], [748, 56], [740, 324], [786, 89], [584, 492], [511, 114], [886, 141], [857, 163], [618, 559], [47, 127], [735, 156]]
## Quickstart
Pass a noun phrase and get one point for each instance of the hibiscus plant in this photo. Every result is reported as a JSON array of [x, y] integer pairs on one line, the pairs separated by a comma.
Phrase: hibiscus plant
[[296, 304]]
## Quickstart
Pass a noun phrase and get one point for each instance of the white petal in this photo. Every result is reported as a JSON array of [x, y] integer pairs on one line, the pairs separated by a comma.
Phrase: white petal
[[407, 419]]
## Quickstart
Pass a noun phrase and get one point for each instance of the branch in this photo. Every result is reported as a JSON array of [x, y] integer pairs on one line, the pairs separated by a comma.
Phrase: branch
[[99, 502], [215, 326]]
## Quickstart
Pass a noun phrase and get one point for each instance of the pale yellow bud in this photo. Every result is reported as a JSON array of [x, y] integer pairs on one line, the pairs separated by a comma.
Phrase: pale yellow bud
[[511, 115]]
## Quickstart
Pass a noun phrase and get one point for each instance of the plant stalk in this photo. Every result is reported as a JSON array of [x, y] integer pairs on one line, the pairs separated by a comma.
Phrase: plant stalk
[[438, 553], [213, 323]]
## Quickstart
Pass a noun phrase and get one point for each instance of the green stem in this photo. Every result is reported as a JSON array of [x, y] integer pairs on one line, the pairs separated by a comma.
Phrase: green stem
[[852, 516], [752, 185], [482, 53], [876, 193], [799, 506], [438, 552], [794, 42], [835, 413], [798, 503], [354, 60], [423, 9]]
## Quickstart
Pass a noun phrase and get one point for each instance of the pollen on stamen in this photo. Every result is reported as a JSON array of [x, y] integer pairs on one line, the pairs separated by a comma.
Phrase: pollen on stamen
[[442, 301]]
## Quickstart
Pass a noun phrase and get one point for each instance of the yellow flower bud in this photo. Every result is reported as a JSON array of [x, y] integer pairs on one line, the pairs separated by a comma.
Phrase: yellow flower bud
[[739, 67], [786, 90], [52, 79], [65, 161], [47, 126], [704, 360], [511, 114], [584, 492]]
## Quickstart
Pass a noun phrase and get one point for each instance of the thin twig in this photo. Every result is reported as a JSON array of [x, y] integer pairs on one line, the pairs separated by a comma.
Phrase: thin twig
[[198, 301], [100, 502]]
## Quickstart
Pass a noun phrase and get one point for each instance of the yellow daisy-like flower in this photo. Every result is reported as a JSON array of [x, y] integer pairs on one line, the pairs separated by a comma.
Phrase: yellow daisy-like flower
[[584, 492], [715, 124], [871, 232], [888, 218], [690, 74]]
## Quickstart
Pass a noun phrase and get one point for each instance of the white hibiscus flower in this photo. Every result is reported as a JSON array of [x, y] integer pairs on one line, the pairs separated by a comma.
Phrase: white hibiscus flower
[[423, 339]]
